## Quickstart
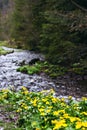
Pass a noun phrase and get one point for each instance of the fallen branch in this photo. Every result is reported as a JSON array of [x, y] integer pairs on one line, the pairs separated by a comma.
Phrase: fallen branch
[[77, 5]]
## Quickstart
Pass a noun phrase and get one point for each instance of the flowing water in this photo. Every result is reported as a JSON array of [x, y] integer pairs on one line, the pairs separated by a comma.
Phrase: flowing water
[[9, 77]]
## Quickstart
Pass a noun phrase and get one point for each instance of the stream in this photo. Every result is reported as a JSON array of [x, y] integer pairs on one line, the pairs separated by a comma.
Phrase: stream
[[9, 77]]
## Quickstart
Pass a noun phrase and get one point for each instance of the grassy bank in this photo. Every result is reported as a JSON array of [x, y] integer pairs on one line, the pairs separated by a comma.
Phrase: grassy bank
[[2, 51], [25, 110]]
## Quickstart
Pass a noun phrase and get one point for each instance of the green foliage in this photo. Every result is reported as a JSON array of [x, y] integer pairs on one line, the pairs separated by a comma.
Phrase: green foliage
[[82, 70], [55, 38], [57, 28], [18, 20], [43, 111], [30, 69], [22, 29], [78, 70], [52, 70]]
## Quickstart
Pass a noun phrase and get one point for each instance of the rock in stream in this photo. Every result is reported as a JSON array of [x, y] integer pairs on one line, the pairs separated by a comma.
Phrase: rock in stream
[[10, 77]]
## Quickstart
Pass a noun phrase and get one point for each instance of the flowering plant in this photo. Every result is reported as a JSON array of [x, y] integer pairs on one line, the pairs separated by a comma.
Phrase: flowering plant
[[43, 111]]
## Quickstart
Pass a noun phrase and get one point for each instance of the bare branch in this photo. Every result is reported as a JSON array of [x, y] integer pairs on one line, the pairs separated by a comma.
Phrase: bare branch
[[80, 7]]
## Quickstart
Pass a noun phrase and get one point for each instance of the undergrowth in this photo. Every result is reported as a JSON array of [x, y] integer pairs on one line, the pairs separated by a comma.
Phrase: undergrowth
[[51, 70], [42, 111]]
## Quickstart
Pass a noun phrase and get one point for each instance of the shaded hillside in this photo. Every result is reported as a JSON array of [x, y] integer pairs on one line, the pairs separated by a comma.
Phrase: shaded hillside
[[6, 8], [57, 28], [3, 3]]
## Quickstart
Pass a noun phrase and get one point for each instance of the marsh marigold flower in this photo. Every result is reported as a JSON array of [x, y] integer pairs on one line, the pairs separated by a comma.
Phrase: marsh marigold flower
[[59, 124], [78, 125], [37, 129]]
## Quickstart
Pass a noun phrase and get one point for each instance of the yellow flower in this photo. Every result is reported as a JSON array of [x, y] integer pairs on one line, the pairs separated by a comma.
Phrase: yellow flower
[[62, 111], [5, 90], [34, 102], [37, 129], [41, 109], [19, 110], [4, 96], [34, 123], [22, 104], [54, 100], [52, 91], [48, 111], [58, 124], [83, 128], [28, 98], [50, 107], [63, 104], [42, 114], [26, 107], [84, 124], [55, 113], [62, 99], [24, 88], [84, 113], [84, 98], [72, 119], [47, 103], [70, 97], [78, 119], [44, 99], [26, 92], [78, 125], [66, 116]]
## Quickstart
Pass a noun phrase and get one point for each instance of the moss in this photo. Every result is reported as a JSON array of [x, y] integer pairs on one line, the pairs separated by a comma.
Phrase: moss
[[3, 43], [8, 44], [4, 52]]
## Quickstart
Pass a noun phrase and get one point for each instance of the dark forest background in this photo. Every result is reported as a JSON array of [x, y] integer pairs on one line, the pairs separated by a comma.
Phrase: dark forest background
[[57, 28]]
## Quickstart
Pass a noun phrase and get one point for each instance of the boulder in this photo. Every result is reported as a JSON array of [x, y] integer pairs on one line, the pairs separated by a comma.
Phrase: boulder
[[22, 63], [33, 61]]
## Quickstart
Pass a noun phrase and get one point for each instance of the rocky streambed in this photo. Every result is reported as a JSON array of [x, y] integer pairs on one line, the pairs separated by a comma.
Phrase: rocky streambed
[[9, 77]]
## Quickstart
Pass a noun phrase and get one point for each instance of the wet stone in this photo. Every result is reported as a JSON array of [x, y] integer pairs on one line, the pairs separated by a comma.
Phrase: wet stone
[[9, 77]]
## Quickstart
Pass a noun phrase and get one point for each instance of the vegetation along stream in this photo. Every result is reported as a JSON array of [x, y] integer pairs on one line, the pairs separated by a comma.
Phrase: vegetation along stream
[[9, 77]]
